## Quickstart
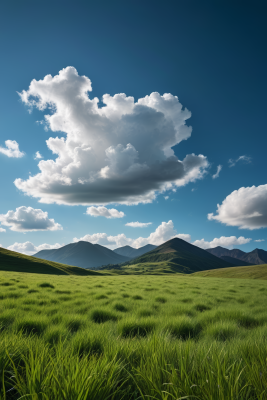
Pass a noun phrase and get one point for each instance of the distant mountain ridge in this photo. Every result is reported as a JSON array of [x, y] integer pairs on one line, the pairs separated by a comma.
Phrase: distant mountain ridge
[[178, 256], [255, 257], [128, 251], [82, 254]]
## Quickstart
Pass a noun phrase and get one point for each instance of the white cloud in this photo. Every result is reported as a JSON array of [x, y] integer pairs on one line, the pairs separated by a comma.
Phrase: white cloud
[[223, 241], [259, 240], [30, 249], [104, 212], [166, 197], [26, 219], [119, 153], [245, 208], [11, 149], [219, 168], [38, 155], [138, 224], [2, 230], [164, 232], [245, 159]]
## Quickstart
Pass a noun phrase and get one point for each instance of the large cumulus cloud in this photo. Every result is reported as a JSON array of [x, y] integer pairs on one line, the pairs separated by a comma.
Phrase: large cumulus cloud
[[245, 208], [120, 152]]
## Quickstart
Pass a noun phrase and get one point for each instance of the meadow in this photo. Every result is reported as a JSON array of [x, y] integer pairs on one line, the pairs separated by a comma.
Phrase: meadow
[[132, 337]]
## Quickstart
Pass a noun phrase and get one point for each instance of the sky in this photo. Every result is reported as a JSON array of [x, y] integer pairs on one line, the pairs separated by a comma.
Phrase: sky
[[128, 123]]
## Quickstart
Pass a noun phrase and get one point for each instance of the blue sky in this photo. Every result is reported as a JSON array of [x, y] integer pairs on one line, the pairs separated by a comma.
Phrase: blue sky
[[211, 55]]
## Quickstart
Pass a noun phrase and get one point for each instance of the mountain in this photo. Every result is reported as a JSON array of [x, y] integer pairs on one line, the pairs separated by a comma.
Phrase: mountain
[[255, 257], [128, 251], [82, 254], [176, 255], [248, 272], [222, 252], [235, 261], [13, 261]]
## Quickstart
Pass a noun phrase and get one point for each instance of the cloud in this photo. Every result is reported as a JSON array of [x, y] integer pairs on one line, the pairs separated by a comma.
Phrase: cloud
[[2, 230], [138, 224], [245, 159], [245, 208], [38, 155], [164, 232], [166, 197], [29, 248], [259, 240], [223, 241], [27, 219], [219, 168], [104, 212], [120, 152], [11, 149]]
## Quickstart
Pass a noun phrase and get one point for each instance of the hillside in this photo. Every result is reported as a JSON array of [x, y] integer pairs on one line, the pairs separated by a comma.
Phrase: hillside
[[249, 272], [255, 257], [235, 261], [174, 256], [128, 251], [13, 261], [82, 254]]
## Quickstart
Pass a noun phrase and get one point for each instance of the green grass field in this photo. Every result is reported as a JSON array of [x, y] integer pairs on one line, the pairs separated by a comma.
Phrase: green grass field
[[132, 337], [248, 272]]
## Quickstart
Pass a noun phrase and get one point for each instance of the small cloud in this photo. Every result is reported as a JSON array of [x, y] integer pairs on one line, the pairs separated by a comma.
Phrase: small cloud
[[193, 189], [12, 149], [28, 219], [245, 159], [259, 240], [2, 230], [166, 197], [139, 224], [219, 168], [104, 212], [38, 155]]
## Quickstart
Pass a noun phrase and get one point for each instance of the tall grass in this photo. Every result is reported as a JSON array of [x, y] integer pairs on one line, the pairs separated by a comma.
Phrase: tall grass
[[81, 338]]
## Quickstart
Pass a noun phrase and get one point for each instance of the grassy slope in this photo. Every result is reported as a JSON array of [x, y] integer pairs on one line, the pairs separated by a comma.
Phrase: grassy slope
[[250, 272], [13, 261]]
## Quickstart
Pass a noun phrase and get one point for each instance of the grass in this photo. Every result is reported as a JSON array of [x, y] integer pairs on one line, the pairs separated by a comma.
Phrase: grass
[[249, 272], [171, 337]]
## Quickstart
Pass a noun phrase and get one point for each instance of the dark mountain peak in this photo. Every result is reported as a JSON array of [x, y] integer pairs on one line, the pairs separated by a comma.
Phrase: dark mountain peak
[[128, 251]]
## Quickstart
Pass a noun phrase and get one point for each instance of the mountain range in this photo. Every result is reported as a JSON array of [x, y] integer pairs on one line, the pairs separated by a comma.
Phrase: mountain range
[[128, 251], [255, 257], [175, 255], [82, 254]]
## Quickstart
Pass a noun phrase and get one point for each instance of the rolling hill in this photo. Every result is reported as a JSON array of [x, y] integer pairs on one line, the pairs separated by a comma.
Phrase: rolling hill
[[82, 254], [128, 251], [255, 257], [13, 261], [176, 255], [248, 272]]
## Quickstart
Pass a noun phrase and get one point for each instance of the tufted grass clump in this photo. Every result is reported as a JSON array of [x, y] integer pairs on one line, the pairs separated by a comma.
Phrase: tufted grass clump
[[135, 328], [183, 328], [46, 285], [120, 307], [101, 315]]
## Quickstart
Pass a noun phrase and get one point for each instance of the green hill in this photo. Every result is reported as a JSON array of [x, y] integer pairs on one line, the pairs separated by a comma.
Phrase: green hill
[[82, 254], [13, 261], [174, 256], [248, 272]]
